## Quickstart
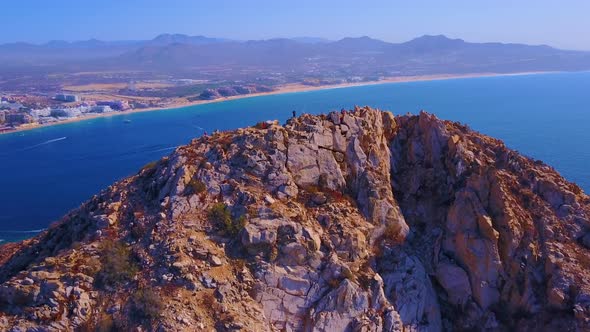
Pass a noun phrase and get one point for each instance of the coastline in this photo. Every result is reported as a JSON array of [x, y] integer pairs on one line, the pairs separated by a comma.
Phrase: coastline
[[282, 89]]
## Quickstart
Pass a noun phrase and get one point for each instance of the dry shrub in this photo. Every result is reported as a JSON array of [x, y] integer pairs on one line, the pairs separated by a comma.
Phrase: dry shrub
[[146, 304], [117, 265], [149, 166], [196, 186]]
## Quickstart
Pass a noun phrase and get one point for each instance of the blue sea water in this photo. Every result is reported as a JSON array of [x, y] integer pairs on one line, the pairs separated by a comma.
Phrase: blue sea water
[[48, 171]]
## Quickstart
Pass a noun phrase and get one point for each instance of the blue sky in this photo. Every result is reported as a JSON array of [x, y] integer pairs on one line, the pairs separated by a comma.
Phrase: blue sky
[[563, 24]]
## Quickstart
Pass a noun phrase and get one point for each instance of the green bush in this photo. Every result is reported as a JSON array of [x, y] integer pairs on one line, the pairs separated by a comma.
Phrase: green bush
[[392, 232], [90, 266], [117, 266], [138, 230], [146, 304], [347, 273], [105, 323], [239, 223], [149, 165], [273, 254], [196, 186], [220, 215]]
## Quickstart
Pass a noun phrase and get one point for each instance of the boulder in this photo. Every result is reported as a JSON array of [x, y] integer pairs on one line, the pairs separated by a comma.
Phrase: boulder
[[259, 232], [338, 309], [294, 286], [408, 287], [455, 282], [215, 261], [472, 239], [302, 163]]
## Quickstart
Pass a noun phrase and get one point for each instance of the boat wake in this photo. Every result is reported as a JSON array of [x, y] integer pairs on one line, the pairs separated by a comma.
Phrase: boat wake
[[164, 149], [124, 154], [44, 143], [32, 231], [12, 236]]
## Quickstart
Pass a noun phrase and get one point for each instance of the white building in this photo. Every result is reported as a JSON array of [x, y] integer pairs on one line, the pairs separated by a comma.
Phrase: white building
[[73, 112], [66, 112], [43, 112], [67, 98], [101, 109]]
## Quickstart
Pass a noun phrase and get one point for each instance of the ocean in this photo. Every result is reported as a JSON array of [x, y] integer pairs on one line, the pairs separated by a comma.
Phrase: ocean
[[46, 172]]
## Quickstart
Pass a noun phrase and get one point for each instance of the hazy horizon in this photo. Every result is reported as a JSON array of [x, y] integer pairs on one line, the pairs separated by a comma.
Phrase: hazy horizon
[[526, 22], [322, 39]]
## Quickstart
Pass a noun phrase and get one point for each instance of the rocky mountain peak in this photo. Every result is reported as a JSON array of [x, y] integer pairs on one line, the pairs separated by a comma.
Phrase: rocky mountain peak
[[351, 221]]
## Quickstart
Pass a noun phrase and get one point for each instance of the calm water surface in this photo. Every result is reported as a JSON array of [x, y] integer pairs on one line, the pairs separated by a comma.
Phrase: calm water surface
[[48, 171]]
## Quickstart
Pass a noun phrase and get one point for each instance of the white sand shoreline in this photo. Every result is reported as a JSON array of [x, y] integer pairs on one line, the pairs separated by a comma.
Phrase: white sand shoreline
[[284, 89]]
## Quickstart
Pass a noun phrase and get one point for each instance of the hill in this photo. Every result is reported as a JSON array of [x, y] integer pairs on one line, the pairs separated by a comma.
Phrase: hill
[[351, 221]]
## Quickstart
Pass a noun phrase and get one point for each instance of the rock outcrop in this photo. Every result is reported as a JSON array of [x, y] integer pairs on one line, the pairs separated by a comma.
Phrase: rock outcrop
[[351, 221]]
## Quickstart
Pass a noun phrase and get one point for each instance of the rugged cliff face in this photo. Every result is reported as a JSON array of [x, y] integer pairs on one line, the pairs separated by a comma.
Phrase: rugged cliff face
[[353, 221]]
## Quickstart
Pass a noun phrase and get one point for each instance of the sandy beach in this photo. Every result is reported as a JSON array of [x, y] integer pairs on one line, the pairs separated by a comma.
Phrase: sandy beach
[[282, 89]]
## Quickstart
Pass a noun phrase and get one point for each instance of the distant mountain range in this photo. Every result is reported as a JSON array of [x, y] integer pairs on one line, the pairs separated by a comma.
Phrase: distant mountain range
[[56, 50], [315, 56]]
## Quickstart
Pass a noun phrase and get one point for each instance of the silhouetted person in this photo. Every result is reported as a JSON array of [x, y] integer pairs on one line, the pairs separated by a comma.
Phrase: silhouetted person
[[294, 114]]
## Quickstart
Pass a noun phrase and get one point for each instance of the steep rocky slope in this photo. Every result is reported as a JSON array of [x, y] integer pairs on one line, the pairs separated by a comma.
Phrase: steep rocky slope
[[352, 221]]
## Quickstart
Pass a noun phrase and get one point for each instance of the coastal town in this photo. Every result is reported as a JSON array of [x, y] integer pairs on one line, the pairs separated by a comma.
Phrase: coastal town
[[17, 111], [24, 109], [28, 110]]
